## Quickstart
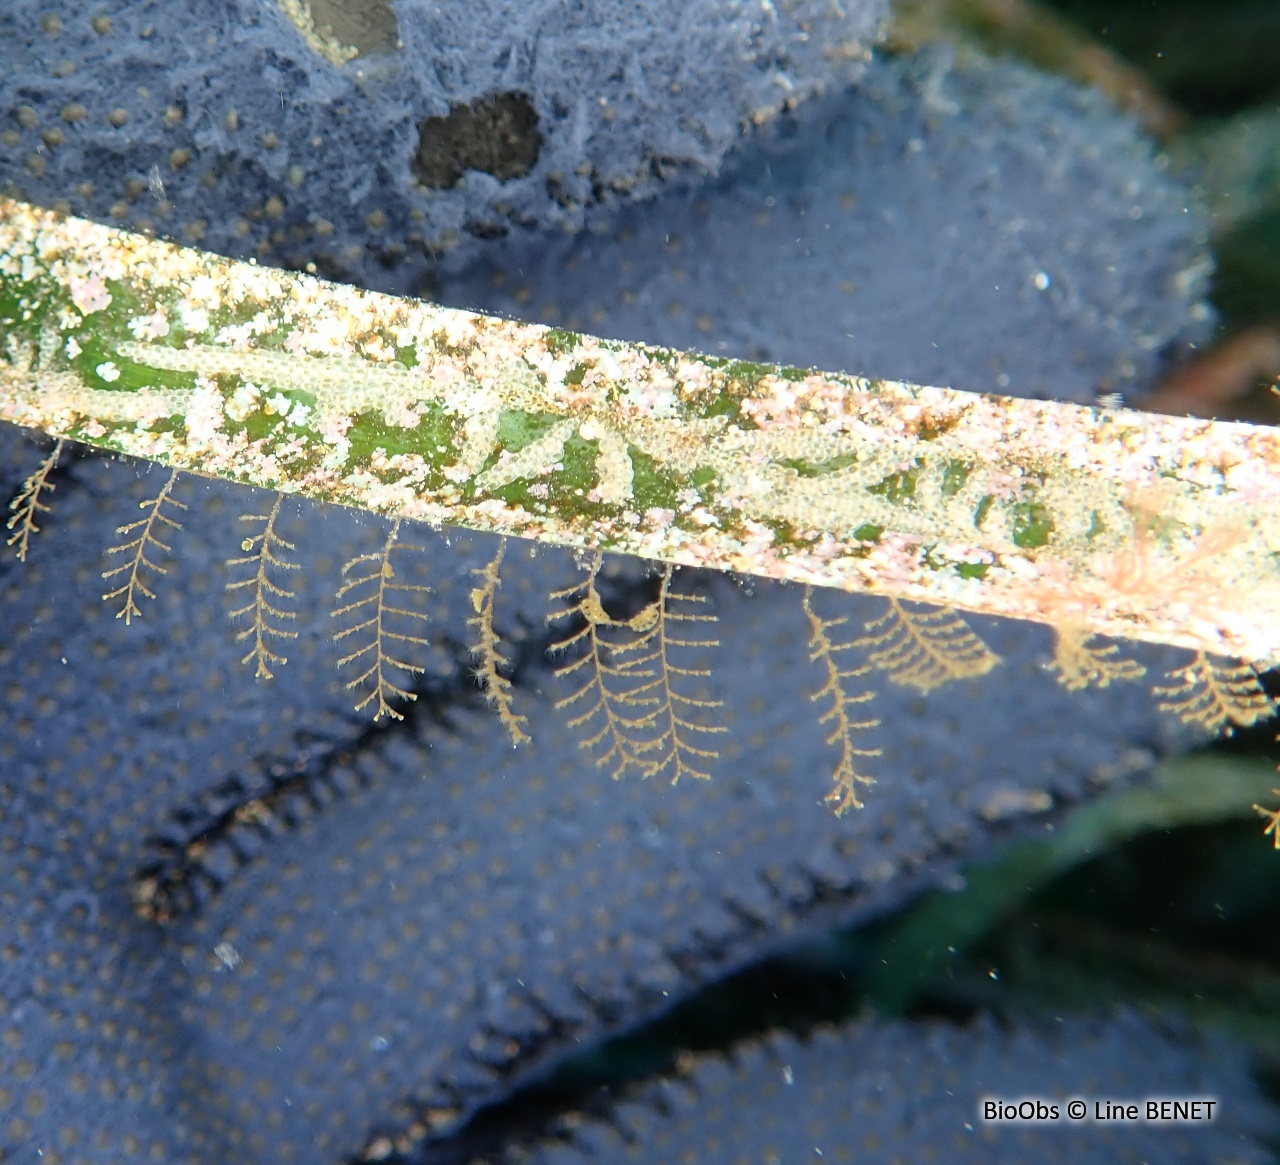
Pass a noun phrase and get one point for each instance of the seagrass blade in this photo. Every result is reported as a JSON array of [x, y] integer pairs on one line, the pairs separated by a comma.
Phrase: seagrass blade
[[1107, 521]]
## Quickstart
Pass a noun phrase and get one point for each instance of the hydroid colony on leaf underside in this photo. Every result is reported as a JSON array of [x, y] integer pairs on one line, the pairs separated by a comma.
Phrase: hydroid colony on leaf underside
[[137, 565], [372, 595], [1082, 662], [265, 553], [629, 698], [642, 702], [492, 665], [826, 650], [925, 649], [1216, 694], [26, 505], [1097, 522]]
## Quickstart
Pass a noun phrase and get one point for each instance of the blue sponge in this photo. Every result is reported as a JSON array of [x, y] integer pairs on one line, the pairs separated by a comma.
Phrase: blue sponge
[[979, 227], [222, 124], [879, 1093]]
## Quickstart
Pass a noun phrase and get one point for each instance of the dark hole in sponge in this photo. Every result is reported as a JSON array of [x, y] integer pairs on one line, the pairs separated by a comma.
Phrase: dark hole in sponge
[[498, 135]]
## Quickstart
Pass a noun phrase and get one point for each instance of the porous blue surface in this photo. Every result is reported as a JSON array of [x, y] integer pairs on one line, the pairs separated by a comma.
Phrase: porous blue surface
[[979, 227], [256, 140], [360, 932], [878, 1093], [416, 917]]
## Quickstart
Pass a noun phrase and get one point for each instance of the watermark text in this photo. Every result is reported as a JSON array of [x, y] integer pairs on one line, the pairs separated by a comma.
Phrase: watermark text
[[1180, 1110]]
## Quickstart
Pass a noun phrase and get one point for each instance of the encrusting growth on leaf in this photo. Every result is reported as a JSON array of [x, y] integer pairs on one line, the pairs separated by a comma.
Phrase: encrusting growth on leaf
[[136, 548], [27, 506], [925, 649], [1159, 529], [375, 594], [1272, 818], [1198, 572], [1080, 662], [488, 650], [638, 717], [846, 779], [263, 552], [1216, 694]]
